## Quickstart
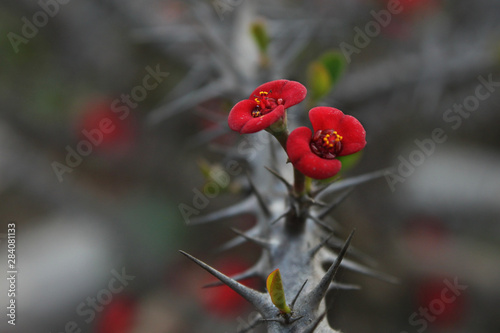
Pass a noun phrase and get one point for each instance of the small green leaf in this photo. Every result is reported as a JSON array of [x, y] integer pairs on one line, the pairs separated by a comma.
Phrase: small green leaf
[[260, 35], [335, 64], [319, 79], [205, 168], [275, 289], [214, 174], [350, 161]]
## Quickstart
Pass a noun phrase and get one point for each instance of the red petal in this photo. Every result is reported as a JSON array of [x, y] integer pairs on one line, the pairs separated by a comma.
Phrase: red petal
[[316, 167], [353, 135], [302, 158], [240, 114], [263, 122], [291, 92], [241, 120], [323, 117], [297, 145]]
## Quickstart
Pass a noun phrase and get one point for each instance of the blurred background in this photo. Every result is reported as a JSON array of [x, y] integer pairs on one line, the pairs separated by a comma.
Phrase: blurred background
[[113, 113]]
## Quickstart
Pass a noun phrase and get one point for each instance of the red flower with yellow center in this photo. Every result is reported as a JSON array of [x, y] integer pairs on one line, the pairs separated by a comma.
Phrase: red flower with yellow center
[[335, 134], [265, 106]]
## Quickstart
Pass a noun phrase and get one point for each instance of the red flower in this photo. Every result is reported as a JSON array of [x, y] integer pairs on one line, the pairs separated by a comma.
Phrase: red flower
[[265, 106], [335, 134]]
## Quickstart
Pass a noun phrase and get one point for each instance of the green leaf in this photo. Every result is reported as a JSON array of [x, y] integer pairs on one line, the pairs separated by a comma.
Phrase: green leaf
[[319, 79], [335, 64], [350, 161], [260, 35], [275, 289]]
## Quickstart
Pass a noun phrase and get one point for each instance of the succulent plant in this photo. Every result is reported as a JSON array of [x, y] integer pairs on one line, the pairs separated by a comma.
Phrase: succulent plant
[[292, 228]]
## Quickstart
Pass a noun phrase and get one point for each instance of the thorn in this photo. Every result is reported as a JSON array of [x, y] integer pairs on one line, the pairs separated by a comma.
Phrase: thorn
[[257, 299], [312, 202], [297, 296], [283, 180], [321, 223], [335, 203], [293, 320], [318, 247], [353, 266], [272, 319], [260, 199], [254, 231], [359, 268], [256, 240], [314, 324], [245, 206], [349, 182], [184, 102], [280, 217], [319, 292], [204, 137], [336, 243], [249, 273], [343, 286]]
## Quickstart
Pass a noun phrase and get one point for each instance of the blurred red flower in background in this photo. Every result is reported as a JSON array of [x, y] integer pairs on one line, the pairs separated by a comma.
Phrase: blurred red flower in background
[[444, 303], [121, 128], [118, 316]]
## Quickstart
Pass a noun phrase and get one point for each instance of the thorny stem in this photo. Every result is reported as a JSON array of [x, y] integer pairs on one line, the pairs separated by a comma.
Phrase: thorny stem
[[299, 180], [280, 131]]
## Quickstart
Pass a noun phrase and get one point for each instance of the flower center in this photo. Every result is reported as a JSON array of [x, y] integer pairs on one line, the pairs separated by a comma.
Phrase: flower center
[[326, 144], [265, 104]]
